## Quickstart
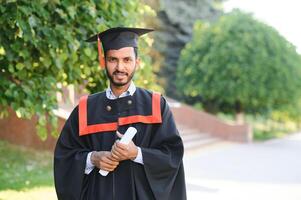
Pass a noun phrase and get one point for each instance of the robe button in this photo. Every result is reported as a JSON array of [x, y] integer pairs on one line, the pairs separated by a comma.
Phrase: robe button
[[109, 108], [130, 102]]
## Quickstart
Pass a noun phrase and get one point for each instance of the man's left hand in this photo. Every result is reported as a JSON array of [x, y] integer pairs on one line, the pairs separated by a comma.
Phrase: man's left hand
[[122, 151]]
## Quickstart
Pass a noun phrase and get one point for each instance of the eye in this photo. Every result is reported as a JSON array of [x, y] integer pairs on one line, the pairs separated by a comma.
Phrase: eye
[[127, 59], [111, 59]]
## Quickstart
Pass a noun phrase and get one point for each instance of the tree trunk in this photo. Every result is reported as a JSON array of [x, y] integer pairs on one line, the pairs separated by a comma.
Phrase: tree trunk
[[240, 118], [239, 113]]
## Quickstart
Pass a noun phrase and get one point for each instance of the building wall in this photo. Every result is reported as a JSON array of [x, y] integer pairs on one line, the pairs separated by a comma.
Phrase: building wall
[[210, 124], [23, 132]]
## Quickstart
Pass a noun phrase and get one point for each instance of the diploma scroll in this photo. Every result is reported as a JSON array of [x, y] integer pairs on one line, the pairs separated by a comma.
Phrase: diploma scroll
[[126, 138]]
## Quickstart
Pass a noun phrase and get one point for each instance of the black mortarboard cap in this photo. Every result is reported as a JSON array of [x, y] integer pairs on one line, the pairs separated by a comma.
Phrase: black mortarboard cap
[[119, 37], [116, 38]]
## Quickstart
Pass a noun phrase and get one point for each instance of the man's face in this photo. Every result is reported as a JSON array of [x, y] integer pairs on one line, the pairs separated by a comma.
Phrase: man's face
[[121, 65]]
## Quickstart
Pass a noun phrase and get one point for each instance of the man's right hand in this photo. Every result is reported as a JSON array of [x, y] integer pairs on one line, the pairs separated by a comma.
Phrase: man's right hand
[[104, 160]]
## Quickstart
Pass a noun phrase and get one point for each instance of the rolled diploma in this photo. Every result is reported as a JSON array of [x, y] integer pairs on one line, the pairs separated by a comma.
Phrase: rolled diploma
[[126, 138]]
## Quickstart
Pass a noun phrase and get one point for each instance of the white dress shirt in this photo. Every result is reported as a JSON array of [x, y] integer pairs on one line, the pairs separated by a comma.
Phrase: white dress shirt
[[110, 95]]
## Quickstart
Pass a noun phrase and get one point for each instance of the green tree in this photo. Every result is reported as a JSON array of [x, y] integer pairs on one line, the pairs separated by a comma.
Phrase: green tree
[[239, 64], [42, 44]]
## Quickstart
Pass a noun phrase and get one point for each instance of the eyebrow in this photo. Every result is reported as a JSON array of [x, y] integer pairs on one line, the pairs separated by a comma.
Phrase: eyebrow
[[120, 58]]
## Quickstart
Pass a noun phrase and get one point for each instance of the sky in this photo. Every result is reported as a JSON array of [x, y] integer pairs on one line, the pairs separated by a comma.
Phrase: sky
[[283, 15]]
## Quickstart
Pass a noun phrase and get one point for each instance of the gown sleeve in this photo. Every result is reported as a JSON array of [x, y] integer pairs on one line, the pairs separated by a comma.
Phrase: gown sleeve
[[70, 160], [163, 159]]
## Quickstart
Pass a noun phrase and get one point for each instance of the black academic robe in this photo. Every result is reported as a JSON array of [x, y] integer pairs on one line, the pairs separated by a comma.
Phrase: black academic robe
[[92, 127]]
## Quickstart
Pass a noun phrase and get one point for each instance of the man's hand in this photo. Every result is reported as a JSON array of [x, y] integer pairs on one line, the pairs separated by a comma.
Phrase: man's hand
[[104, 160], [124, 152]]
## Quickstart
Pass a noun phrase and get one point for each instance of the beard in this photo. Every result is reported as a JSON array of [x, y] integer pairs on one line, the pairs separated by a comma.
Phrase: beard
[[120, 84]]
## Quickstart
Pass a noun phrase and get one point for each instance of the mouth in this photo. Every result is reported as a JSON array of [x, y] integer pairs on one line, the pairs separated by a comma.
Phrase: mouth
[[119, 74]]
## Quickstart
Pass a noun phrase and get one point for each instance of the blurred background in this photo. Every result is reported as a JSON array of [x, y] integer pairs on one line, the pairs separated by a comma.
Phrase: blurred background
[[230, 70]]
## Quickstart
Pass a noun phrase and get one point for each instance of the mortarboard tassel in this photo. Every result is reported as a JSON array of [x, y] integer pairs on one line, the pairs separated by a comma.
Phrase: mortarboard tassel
[[100, 55]]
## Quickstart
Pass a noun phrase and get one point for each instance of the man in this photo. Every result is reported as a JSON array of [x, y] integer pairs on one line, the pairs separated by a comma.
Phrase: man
[[149, 167]]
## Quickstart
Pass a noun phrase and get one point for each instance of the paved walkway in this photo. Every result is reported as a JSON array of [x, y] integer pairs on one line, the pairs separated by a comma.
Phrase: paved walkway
[[259, 171]]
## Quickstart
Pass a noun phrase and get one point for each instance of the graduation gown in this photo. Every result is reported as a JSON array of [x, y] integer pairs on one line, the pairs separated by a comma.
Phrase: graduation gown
[[92, 126]]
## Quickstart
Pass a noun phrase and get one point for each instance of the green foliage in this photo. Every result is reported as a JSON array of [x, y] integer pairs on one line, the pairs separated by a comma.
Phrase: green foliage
[[42, 44], [239, 64], [145, 74]]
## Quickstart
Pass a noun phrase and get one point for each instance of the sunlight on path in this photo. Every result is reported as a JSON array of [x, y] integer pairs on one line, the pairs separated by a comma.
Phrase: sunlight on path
[[45, 193], [235, 190], [259, 170]]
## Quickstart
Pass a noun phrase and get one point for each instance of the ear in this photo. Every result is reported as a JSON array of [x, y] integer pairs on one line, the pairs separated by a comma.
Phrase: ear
[[138, 63]]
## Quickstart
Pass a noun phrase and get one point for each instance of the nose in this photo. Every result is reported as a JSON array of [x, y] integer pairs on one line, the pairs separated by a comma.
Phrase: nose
[[120, 65]]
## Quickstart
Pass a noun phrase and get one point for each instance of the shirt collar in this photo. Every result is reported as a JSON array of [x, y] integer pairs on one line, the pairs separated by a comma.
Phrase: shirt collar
[[130, 91]]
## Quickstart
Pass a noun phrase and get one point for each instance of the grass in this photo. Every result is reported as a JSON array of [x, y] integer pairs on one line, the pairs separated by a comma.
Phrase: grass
[[25, 173], [261, 135], [265, 129]]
